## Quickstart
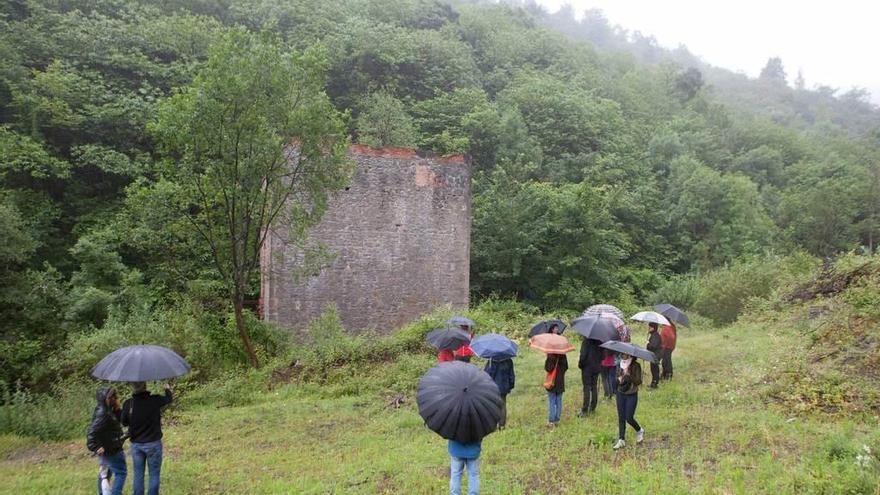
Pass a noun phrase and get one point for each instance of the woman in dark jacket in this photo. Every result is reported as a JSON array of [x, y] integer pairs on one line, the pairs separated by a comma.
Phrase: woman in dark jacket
[[557, 387], [502, 373], [629, 377], [654, 345], [104, 438]]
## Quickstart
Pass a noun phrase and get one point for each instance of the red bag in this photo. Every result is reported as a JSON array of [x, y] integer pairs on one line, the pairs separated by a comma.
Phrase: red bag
[[550, 380]]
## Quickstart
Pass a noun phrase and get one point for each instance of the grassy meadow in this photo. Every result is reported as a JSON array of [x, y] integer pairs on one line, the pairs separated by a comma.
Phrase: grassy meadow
[[712, 430]]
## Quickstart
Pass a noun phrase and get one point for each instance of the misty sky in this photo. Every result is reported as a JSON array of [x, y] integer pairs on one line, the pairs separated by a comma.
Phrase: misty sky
[[833, 43]]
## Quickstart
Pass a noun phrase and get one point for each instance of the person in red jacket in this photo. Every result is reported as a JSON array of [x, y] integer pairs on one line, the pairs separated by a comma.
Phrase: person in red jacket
[[445, 355], [464, 352], [668, 335]]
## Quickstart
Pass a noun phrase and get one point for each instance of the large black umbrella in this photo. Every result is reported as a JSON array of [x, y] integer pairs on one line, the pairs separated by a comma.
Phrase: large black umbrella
[[673, 314], [601, 328], [630, 349], [544, 327], [459, 402], [140, 363], [448, 339]]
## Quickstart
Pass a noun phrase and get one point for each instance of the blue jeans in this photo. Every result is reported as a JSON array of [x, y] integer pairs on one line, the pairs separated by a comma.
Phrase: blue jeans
[[473, 474], [626, 413], [149, 453], [116, 471], [554, 400]]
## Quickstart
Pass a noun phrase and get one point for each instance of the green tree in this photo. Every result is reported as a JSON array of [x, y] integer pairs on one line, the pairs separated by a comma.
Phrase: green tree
[[235, 175], [383, 121]]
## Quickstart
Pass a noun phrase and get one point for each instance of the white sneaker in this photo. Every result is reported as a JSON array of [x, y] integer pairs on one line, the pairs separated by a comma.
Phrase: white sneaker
[[640, 435], [620, 444]]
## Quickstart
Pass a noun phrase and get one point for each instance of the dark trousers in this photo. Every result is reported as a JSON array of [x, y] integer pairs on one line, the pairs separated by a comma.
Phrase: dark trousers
[[655, 374], [502, 422], [667, 363], [608, 380], [591, 391], [626, 413]]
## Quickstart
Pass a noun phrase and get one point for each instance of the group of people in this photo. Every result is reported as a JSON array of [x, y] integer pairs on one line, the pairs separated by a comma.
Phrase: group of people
[[621, 377], [142, 414]]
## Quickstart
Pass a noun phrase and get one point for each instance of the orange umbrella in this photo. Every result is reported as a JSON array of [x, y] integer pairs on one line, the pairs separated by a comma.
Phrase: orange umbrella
[[550, 343]]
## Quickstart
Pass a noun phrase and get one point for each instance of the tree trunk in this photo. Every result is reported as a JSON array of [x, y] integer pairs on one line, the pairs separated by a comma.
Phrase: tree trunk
[[242, 332]]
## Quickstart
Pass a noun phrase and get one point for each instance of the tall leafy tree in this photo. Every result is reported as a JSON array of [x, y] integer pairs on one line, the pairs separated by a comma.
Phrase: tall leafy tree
[[253, 145]]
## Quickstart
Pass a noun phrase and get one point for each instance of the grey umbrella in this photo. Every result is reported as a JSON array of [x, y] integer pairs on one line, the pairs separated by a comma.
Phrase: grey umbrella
[[673, 314], [597, 327], [461, 320], [448, 339], [630, 349], [544, 327], [459, 402], [140, 363], [603, 308]]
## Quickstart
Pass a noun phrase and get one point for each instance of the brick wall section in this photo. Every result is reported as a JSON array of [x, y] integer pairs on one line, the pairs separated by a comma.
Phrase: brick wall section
[[401, 236]]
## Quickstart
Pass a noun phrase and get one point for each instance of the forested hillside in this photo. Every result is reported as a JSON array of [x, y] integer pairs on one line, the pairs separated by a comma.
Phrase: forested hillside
[[604, 167]]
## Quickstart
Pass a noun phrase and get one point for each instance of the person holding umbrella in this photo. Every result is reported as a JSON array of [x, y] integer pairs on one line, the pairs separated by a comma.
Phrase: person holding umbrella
[[556, 364], [668, 335], [461, 404], [446, 340], [142, 413], [138, 364], [629, 377], [463, 353], [654, 345], [104, 439], [499, 350], [590, 364]]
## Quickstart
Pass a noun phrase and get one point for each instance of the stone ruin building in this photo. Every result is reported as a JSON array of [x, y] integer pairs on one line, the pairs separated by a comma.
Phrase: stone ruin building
[[400, 234]]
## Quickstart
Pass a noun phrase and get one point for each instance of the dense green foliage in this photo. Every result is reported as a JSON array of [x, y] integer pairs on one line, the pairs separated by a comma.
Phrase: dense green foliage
[[603, 164]]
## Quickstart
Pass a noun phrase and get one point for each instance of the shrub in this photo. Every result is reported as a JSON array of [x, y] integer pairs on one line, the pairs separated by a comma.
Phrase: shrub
[[724, 292], [678, 290], [61, 415]]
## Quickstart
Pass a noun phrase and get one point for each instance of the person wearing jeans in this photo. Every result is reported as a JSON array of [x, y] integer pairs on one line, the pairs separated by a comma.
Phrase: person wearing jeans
[[149, 455], [464, 456], [554, 393], [142, 413], [629, 377], [105, 438]]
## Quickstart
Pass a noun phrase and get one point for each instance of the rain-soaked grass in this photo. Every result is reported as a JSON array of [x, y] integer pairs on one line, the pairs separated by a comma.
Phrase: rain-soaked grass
[[711, 430]]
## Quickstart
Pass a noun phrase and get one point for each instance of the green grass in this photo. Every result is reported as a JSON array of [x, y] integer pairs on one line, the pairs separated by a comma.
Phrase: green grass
[[712, 430]]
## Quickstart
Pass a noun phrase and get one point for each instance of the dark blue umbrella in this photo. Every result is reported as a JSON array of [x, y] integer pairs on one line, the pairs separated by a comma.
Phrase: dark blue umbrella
[[448, 339], [630, 349], [544, 327], [461, 320], [601, 328], [673, 314], [140, 363], [494, 346], [459, 402]]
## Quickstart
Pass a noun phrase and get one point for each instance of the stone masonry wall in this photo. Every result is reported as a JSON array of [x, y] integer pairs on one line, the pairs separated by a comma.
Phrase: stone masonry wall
[[401, 237]]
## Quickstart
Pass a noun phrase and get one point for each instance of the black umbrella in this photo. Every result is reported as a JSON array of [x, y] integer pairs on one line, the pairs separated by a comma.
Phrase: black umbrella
[[544, 327], [597, 327], [673, 314], [448, 339], [630, 349], [140, 363], [459, 402], [461, 320]]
